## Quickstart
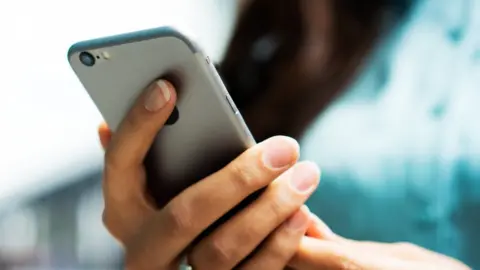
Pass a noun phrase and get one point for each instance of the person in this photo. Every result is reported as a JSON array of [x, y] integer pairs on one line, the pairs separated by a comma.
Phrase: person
[[298, 56]]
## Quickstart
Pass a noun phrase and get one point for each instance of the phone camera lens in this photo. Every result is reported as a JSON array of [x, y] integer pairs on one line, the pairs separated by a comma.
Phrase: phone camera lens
[[87, 59], [173, 117]]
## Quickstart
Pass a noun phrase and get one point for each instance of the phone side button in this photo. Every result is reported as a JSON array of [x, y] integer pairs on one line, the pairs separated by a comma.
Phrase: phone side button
[[232, 105]]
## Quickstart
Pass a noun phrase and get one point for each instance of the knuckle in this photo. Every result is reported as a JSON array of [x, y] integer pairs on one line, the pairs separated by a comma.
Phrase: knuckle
[[179, 217], [276, 210], [243, 177], [280, 249], [114, 193], [214, 253], [133, 261], [110, 226], [347, 264], [132, 121], [105, 220], [246, 176], [130, 262], [111, 160]]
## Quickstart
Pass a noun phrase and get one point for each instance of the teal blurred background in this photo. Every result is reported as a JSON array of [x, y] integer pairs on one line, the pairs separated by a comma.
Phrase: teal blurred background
[[50, 170]]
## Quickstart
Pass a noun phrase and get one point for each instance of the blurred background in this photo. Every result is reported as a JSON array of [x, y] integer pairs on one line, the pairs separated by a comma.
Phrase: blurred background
[[50, 185], [51, 160]]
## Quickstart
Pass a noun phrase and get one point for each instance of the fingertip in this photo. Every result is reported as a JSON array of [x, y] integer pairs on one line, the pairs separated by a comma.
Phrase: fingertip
[[104, 135], [103, 126], [300, 219], [314, 167], [305, 177], [288, 140], [279, 152], [318, 229]]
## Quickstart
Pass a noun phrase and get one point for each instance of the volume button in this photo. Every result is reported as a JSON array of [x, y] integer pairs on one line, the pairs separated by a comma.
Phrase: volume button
[[218, 79], [232, 105]]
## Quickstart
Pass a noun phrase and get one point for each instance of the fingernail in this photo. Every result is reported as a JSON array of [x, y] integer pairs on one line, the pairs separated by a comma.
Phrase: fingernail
[[305, 177], [279, 152], [300, 219], [158, 96]]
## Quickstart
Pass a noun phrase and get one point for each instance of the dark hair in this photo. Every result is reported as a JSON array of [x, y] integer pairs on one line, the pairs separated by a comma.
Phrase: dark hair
[[287, 60]]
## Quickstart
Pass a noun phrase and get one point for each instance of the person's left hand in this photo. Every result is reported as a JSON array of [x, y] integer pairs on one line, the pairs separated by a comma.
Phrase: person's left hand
[[322, 249]]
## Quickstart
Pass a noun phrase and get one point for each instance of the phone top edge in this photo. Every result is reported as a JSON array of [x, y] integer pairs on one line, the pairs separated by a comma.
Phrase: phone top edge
[[130, 37]]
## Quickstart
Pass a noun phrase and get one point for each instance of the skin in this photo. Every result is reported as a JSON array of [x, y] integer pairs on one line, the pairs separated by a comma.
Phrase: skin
[[323, 249], [285, 235], [157, 238]]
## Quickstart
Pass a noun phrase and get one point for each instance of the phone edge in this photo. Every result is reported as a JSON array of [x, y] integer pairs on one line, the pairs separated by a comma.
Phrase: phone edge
[[131, 37]]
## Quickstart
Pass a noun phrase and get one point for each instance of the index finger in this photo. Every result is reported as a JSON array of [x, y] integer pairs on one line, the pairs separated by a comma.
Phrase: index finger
[[189, 214], [137, 131]]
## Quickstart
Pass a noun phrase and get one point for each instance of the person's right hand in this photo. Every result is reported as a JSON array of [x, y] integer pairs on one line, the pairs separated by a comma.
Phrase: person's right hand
[[272, 225]]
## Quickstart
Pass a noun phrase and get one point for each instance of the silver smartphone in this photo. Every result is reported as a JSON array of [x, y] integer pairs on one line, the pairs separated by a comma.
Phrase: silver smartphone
[[205, 132]]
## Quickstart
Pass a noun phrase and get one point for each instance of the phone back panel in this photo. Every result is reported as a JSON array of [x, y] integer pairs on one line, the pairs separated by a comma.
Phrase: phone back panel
[[209, 132]]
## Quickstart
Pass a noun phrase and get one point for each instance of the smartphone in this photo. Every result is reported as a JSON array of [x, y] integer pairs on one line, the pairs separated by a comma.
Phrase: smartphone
[[205, 131]]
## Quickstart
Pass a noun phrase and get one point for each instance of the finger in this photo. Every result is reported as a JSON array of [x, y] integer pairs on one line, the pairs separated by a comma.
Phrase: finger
[[137, 131], [316, 254], [105, 135], [238, 237], [414, 253], [279, 248], [318, 229], [200, 205]]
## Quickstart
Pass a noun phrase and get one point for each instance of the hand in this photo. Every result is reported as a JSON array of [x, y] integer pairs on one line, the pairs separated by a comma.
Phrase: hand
[[272, 225], [325, 250]]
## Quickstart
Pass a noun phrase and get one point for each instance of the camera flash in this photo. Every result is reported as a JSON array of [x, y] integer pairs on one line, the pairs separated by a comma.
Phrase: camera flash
[[106, 55]]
